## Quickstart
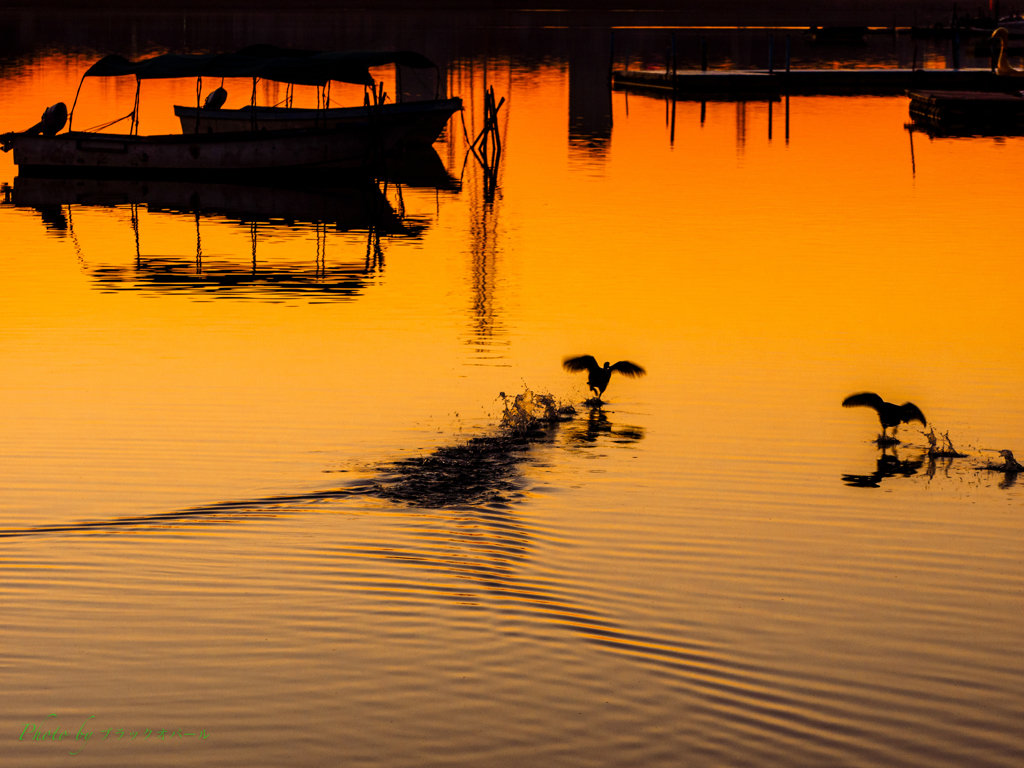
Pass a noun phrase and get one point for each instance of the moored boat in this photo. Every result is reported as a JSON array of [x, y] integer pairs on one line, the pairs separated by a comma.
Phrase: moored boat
[[423, 120], [349, 147], [362, 137]]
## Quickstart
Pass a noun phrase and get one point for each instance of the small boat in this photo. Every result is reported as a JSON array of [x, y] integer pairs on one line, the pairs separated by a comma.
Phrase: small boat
[[353, 143], [424, 120], [968, 112]]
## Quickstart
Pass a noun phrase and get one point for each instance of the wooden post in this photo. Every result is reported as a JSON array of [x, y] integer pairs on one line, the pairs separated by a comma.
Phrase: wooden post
[[703, 54], [771, 53], [956, 47], [611, 58], [787, 118], [673, 67]]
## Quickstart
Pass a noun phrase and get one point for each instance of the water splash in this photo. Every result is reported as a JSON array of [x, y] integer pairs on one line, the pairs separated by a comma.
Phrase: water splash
[[484, 470]]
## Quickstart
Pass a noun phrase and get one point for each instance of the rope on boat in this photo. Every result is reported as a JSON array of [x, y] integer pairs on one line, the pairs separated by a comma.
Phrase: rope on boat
[[112, 122]]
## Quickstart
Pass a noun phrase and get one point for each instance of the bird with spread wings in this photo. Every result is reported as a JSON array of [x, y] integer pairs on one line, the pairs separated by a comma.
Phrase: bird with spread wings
[[889, 414], [599, 377]]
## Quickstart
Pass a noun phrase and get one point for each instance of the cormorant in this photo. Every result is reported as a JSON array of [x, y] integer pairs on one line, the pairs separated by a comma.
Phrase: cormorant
[[216, 99], [890, 414], [598, 379], [1011, 464]]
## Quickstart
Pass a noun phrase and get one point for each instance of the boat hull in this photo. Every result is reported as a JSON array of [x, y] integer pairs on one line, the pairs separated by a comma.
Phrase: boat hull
[[421, 121], [351, 147]]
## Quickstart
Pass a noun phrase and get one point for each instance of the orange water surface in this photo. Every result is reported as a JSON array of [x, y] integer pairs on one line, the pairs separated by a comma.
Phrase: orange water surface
[[716, 567]]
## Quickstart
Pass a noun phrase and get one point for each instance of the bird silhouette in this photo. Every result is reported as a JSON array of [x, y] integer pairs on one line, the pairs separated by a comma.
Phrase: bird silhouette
[[1010, 464], [599, 377], [216, 99], [889, 414], [1003, 66]]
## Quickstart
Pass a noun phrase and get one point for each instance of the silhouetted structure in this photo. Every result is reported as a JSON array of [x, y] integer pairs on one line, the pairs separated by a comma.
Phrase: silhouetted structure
[[889, 414], [599, 377]]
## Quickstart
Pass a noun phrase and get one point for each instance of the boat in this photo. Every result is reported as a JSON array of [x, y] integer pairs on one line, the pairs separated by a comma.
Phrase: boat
[[424, 119], [355, 143], [968, 112]]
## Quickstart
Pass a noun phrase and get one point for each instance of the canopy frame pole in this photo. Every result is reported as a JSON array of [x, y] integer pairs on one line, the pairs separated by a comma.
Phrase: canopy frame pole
[[254, 102], [71, 116], [135, 110], [199, 93]]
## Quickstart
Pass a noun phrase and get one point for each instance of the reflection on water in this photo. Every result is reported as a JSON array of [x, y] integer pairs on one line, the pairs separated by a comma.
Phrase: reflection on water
[[263, 210], [679, 579], [598, 426], [888, 465]]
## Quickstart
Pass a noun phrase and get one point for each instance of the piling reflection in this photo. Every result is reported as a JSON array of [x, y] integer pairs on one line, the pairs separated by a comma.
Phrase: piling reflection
[[590, 105], [482, 147]]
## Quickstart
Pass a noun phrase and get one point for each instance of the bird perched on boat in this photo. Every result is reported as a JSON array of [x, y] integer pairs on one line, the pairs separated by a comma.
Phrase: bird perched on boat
[[890, 414], [216, 99], [599, 377], [1003, 67]]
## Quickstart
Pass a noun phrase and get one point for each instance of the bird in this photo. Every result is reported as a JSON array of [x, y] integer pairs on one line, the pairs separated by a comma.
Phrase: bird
[[599, 377], [1010, 464], [1003, 67], [216, 99], [890, 414]]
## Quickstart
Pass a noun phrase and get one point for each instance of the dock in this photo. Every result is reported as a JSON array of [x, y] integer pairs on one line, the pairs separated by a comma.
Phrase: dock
[[741, 85], [968, 111]]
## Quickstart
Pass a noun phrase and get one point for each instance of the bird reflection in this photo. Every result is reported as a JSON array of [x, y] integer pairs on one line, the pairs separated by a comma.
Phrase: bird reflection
[[599, 377], [889, 414], [1010, 469], [888, 465], [598, 426]]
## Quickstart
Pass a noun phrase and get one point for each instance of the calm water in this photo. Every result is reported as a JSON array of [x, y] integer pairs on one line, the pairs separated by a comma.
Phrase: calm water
[[203, 528]]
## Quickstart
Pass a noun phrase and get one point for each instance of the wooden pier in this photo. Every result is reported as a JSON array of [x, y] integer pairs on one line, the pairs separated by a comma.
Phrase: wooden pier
[[743, 85], [968, 111]]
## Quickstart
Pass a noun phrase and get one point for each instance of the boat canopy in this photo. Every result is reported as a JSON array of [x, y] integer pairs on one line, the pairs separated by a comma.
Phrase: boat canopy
[[263, 61]]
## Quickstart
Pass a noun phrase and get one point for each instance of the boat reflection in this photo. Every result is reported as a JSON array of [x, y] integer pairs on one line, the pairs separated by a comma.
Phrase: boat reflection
[[284, 207], [888, 465]]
